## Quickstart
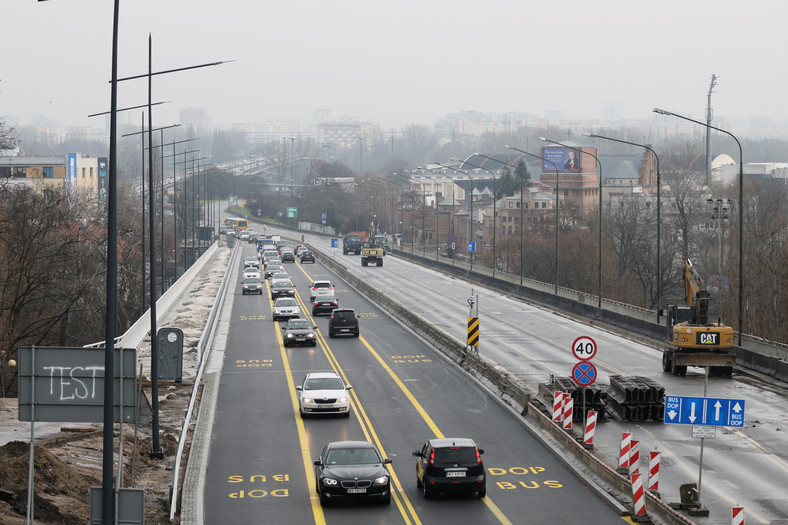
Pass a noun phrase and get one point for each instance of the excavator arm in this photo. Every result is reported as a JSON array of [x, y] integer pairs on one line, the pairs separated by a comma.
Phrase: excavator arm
[[695, 292]]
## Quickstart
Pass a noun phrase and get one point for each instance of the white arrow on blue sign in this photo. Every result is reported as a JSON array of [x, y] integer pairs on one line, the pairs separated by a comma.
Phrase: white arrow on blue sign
[[708, 411], [334, 243]]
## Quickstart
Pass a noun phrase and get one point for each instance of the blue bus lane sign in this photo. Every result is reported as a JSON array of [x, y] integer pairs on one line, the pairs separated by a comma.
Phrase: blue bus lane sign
[[707, 411]]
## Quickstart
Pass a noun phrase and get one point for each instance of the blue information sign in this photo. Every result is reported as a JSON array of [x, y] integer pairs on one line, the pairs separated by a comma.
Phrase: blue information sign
[[471, 246], [335, 243], [708, 411]]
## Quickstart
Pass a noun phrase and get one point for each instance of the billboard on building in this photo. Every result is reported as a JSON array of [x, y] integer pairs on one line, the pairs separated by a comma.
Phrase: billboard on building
[[565, 159], [72, 168], [102, 177]]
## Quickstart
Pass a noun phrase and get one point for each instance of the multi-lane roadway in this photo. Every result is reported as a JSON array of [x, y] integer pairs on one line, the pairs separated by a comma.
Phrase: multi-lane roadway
[[260, 467]]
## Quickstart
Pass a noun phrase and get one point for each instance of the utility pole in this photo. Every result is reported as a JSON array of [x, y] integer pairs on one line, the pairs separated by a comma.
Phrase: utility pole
[[709, 114]]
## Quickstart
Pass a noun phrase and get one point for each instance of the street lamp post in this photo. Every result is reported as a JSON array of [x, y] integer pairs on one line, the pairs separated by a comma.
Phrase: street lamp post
[[470, 218], [659, 215], [599, 266], [741, 209], [556, 206], [495, 209]]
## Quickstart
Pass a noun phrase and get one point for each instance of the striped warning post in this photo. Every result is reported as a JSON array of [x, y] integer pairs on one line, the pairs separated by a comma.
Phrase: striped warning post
[[588, 438], [638, 496], [623, 456], [737, 515], [473, 331], [634, 457], [569, 407], [558, 406], [653, 470]]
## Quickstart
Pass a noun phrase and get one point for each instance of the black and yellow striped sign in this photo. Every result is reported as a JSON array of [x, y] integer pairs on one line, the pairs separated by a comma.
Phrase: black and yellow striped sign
[[473, 331]]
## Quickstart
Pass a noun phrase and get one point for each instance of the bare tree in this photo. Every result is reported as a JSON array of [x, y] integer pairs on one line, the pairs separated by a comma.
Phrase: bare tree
[[8, 138]]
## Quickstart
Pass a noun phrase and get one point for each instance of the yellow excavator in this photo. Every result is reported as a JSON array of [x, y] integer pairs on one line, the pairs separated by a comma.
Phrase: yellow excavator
[[371, 251], [694, 340]]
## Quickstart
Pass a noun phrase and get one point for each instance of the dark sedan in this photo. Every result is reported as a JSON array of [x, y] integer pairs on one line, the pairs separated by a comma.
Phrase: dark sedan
[[307, 257], [282, 289], [324, 303], [352, 470], [299, 332]]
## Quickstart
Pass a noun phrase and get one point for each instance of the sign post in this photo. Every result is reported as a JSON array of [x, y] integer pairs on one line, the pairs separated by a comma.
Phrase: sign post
[[584, 373]]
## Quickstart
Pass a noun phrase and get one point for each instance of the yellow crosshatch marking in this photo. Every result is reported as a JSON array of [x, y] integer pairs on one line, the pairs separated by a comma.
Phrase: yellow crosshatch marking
[[366, 315]]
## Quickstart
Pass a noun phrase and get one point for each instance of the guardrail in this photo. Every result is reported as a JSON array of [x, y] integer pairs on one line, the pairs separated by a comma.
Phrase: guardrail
[[204, 343]]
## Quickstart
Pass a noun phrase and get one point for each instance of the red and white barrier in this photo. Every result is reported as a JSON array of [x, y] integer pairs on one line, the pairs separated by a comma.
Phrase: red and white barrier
[[623, 456], [558, 406], [638, 496], [653, 471], [588, 437], [634, 457], [737, 515], [569, 407]]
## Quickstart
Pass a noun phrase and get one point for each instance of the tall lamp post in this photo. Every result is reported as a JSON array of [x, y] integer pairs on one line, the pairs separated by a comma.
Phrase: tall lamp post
[[659, 216], [470, 219], [741, 208], [495, 210], [454, 169], [556, 205], [599, 266]]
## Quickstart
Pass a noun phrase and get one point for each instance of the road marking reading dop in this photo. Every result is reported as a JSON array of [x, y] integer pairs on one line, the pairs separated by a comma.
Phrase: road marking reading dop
[[252, 318], [253, 363], [522, 471], [411, 359], [259, 493]]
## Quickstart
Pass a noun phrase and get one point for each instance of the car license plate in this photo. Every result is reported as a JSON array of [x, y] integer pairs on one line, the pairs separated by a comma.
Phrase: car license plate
[[300, 338], [325, 406], [356, 491], [344, 329], [455, 474]]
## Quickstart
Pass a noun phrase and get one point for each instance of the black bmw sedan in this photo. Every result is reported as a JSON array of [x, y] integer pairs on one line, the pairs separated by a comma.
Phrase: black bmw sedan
[[352, 470]]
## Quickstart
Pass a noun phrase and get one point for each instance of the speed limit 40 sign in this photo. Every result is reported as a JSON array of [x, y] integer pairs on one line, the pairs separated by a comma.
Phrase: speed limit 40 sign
[[584, 348]]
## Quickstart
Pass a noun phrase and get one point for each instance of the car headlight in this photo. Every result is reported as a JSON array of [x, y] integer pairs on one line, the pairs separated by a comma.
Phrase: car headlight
[[329, 481], [310, 336], [307, 400], [289, 336], [382, 480], [342, 399]]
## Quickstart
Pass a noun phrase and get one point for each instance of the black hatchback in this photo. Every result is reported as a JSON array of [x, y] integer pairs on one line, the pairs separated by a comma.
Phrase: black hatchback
[[450, 465], [307, 257], [343, 321]]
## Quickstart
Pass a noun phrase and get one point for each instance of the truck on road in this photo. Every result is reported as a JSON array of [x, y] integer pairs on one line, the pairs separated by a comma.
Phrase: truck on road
[[352, 242]]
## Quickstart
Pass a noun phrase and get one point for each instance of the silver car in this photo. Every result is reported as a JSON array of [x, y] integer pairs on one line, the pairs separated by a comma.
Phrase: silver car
[[286, 308]]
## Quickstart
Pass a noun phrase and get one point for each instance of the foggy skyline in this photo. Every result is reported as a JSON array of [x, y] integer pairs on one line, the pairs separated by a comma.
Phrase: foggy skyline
[[398, 62]]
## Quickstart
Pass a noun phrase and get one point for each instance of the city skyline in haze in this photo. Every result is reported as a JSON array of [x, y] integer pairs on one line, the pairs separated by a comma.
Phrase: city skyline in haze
[[409, 62]]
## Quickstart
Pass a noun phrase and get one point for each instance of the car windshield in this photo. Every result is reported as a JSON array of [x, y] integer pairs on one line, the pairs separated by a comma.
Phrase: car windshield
[[451, 456], [324, 297], [306, 253], [322, 285], [352, 456], [323, 383], [252, 280], [299, 325], [286, 302], [281, 284], [346, 316]]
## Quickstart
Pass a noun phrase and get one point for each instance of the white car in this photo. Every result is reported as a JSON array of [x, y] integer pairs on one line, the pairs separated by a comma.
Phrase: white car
[[319, 286], [280, 276], [251, 271], [323, 393], [286, 308]]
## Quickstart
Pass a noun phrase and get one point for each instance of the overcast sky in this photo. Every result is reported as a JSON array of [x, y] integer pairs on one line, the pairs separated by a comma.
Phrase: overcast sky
[[404, 61]]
